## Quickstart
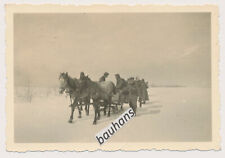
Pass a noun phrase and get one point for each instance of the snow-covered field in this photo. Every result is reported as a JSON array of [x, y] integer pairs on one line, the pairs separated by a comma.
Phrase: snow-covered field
[[172, 114]]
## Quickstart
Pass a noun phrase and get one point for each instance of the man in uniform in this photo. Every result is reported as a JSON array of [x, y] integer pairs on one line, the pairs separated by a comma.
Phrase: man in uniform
[[145, 87], [120, 82], [82, 90], [82, 76], [132, 94], [82, 82], [120, 85], [140, 90], [102, 79]]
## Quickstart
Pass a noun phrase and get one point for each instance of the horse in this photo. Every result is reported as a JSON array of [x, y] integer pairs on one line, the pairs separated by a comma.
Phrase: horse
[[99, 91], [71, 86]]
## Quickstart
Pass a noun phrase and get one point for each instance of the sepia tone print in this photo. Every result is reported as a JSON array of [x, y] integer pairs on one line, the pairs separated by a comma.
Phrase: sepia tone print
[[73, 71]]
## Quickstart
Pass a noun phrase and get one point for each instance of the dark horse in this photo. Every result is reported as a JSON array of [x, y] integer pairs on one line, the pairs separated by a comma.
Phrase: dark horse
[[99, 91], [71, 86]]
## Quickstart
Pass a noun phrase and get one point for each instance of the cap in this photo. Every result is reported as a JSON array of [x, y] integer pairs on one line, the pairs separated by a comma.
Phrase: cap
[[117, 75], [106, 73]]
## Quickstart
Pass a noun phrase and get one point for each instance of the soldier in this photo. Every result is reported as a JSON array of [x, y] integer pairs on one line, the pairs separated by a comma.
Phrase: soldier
[[102, 79], [120, 85], [82, 90], [82, 82], [140, 90], [132, 94], [82, 76], [145, 87], [120, 82]]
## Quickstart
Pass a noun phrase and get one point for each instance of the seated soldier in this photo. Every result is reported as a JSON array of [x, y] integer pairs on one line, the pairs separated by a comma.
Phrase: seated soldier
[[102, 79]]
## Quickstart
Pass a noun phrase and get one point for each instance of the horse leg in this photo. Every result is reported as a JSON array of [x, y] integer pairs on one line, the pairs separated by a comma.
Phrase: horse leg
[[116, 108], [73, 105], [96, 112], [109, 103], [85, 104], [79, 109], [88, 106], [96, 105], [121, 107], [71, 116], [140, 101], [120, 102], [105, 106], [134, 109], [70, 101], [85, 107]]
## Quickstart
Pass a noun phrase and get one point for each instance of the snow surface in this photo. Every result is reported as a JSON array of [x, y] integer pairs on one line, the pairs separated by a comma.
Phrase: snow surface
[[172, 114]]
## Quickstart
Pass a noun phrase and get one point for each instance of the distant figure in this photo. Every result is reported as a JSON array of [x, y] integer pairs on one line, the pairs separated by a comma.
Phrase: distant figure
[[102, 79], [145, 87], [82, 76]]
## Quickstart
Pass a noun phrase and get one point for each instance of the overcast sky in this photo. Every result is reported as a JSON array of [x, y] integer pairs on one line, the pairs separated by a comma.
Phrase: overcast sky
[[163, 48]]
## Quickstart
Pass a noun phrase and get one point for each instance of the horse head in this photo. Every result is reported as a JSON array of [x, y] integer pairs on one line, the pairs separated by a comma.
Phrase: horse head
[[63, 78]]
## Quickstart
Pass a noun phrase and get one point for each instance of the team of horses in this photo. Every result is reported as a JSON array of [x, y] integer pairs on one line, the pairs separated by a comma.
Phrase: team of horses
[[82, 92]]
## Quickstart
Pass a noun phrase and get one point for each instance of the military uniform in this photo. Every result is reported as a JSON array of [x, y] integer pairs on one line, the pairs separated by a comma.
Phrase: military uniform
[[82, 76], [102, 79], [120, 88], [82, 85], [120, 84], [132, 94], [145, 92]]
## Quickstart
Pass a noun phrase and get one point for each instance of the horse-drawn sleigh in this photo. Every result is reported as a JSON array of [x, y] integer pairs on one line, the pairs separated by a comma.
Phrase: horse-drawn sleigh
[[104, 96]]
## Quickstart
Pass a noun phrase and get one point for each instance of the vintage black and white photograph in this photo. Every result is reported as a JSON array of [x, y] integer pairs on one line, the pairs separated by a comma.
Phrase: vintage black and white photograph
[[74, 73]]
